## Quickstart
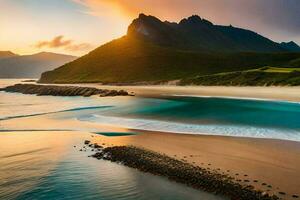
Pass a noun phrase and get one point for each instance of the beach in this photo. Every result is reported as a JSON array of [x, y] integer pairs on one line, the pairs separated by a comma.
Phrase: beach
[[268, 93], [270, 165], [274, 164]]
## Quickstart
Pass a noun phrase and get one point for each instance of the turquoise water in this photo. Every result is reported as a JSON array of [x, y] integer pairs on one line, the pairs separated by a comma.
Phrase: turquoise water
[[41, 163], [203, 115], [190, 115]]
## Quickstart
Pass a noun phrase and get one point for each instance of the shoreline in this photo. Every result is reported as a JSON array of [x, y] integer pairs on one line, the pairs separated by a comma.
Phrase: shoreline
[[269, 165], [270, 161], [289, 94], [180, 171], [269, 93], [273, 162]]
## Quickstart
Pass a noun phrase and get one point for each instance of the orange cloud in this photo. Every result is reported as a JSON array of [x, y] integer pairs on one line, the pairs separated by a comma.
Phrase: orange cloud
[[54, 43], [60, 42], [165, 9]]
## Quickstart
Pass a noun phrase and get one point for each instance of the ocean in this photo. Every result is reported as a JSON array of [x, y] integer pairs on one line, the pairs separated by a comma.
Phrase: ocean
[[44, 164], [39, 161]]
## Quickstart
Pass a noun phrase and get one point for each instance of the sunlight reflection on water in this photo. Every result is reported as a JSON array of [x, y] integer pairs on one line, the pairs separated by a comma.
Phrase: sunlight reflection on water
[[45, 165]]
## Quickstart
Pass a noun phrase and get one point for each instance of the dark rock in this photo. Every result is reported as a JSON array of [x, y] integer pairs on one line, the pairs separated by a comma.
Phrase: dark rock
[[97, 146], [182, 172], [54, 90]]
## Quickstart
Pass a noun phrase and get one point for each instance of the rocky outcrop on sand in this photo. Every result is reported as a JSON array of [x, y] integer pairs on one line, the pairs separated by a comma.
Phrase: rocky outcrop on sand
[[182, 172], [54, 90]]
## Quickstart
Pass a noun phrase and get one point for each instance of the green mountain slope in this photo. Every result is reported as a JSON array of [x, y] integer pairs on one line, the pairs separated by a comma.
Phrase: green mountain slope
[[129, 60], [154, 51], [267, 76]]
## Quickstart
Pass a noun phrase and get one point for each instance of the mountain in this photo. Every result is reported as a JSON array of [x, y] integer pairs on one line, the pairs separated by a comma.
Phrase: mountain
[[155, 51], [199, 34], [290, 46], [7, 54], [31, 66]]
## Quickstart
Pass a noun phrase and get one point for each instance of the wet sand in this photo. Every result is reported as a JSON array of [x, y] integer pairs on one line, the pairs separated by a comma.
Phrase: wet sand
[[274, 164]]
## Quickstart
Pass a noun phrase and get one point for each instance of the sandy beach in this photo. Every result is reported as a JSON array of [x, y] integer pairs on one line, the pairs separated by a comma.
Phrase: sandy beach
[[273, 162], [267, 93], [270, 165], [267, 164]]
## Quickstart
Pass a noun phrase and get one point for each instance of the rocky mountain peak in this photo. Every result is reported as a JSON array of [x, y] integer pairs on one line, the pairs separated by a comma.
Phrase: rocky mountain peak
[[195, 19], [291, 46]]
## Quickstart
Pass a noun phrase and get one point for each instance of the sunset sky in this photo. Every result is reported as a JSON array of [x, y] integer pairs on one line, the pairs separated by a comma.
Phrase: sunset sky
[[77, 26]]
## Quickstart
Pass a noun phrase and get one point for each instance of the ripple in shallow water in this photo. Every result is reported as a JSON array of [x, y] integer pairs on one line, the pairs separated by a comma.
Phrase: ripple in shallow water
[[46, 166]]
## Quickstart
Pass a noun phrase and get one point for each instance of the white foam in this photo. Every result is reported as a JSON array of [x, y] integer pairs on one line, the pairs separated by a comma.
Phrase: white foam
[[205, 129], [234, 97]]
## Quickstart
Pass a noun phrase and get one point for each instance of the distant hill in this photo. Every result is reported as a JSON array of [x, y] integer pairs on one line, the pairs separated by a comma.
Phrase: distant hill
[[154, 51], [7, 54], [31, 66], [290, 46]]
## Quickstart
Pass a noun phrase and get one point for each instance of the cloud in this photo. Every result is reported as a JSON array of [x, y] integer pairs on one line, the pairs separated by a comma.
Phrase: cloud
[[60, 42], [56, 42]]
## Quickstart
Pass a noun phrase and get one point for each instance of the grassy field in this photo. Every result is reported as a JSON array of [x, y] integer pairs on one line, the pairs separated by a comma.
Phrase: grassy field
[[265, 76], [279, 69]]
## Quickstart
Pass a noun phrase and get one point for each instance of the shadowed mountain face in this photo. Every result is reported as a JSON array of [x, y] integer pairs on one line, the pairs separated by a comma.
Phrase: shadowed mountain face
[[154, 51], [290, 46], [31, 66], [199, 34]]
